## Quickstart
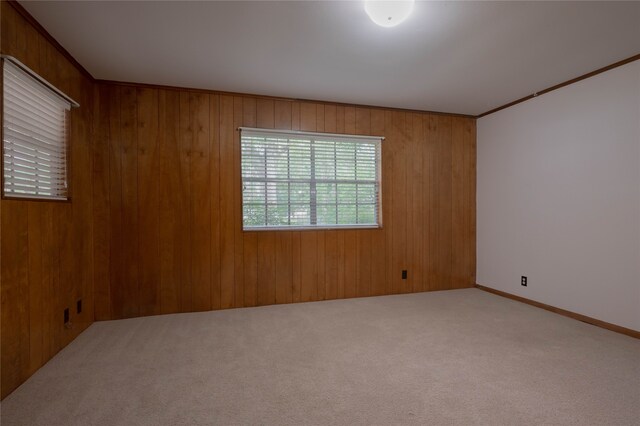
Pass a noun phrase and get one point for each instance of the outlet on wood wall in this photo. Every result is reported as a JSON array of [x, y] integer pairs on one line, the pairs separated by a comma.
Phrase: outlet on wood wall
[[168, 177]]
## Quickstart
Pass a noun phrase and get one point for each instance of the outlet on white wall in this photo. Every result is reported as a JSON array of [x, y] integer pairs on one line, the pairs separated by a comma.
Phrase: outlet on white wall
[[558, 192]]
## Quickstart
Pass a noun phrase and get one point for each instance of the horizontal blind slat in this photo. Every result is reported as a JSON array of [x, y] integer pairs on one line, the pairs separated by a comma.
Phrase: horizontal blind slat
[[296, 180], [34, 137], [18, 77], [28, 164], [36, 175], [49, 113], [32, 183], [27, 154], [27, 141], [24, 119]]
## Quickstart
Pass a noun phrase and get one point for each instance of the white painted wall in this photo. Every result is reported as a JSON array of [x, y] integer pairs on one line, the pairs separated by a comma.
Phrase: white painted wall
[[558, 198]]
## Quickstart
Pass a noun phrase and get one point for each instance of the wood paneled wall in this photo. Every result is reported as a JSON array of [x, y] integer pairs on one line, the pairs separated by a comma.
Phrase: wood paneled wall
[[168, 206], [46, 258], [154, 225]]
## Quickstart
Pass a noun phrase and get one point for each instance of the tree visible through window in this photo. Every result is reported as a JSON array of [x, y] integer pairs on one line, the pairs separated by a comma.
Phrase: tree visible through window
[[309, 180]]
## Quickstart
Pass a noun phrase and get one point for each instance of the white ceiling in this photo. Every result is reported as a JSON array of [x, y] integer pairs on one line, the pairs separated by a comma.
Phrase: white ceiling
[[462, 57]]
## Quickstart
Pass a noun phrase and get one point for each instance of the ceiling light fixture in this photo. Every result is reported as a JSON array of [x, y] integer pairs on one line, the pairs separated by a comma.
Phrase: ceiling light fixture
[[388, 13]]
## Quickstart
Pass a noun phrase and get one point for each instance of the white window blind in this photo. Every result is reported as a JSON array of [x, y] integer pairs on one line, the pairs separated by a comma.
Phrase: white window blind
[[34, 136], [309, 180]]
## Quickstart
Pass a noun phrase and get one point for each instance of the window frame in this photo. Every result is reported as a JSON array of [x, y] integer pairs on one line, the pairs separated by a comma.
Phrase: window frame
[[72, 104], [322, 227]]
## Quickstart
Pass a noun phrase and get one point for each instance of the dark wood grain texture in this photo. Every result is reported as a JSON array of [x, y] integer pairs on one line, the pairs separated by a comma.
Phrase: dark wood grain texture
[[48, 248], [154, 225], [207, 262]]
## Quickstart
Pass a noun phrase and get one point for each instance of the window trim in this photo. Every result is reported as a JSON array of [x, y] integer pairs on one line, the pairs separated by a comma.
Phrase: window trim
[[56, 91], [285, 228], [336, 227], [40, 79]]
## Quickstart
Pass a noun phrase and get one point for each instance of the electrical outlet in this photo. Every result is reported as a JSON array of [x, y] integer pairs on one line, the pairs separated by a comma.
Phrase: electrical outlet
[[79, 306], [66, 316], [523, 281], [404, 274]]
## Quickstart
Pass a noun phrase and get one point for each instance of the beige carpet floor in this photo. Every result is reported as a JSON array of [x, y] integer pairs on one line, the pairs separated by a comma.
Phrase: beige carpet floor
[[462, 357]]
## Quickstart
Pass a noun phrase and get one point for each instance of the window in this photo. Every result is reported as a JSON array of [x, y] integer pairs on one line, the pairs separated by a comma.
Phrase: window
[[34, 135], [309, 180]]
